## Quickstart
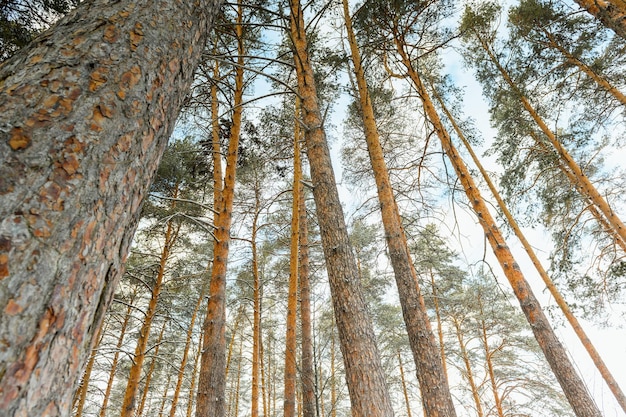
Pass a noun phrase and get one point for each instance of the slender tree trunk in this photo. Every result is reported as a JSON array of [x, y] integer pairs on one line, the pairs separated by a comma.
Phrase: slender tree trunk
[[431, 374], [164, 396], [612, 13], [573, 387], [212, 380], [265, 395], [468, 367], [597, 78], [582, 182], [488, 359], [148, 381], [86, 112], [81, 393], [130, 396], [292, 298], [192, 387], [365, 378], [307, 373], [256, 325], [567, 312], [333, 377], [183, 362], [116, 355], [442, 351], [405, 391]]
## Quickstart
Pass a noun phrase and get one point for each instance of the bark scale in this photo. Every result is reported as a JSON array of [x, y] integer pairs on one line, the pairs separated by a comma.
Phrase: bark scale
[[86, 112], [365, 379]]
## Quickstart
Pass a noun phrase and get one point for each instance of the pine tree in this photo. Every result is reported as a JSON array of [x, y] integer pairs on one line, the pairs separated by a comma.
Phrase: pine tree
[[94, 83]]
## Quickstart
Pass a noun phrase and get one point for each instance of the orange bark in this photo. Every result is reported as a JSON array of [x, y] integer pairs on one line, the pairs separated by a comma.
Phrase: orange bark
[[431, 374], [573, 387], [581, 181], [365, 379], [132, 387], [307, 374], [212, 380], [405, 391], [558, 298], [289, 409], [612, 13]]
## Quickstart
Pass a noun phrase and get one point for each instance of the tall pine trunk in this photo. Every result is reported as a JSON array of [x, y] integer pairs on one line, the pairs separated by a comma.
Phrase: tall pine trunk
[[469, 374], [365, 379], [132, 386], [86, 112], [289, 408], [256, 300], [212, 380], [116, 356], [150, 373], [183, 362], [558, 298], [573, 387], [436, 397], [307, 373], [579, 179]]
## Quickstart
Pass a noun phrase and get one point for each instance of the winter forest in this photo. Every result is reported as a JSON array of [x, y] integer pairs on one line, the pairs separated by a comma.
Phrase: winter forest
[[318, 209]]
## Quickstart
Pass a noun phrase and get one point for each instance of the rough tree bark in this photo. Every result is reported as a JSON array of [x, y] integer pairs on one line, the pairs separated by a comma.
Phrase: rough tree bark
[[85, 114], [365, 379]]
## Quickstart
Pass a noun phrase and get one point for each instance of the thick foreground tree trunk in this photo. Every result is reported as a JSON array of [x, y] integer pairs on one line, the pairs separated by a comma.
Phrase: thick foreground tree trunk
[[365, 379], [85, 114]]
